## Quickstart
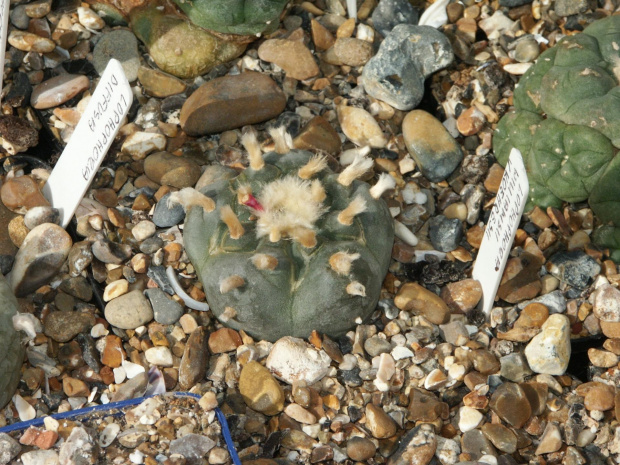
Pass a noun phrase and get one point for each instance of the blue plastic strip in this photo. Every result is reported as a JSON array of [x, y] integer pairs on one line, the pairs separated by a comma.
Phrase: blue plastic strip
[[227, 437], [73, 414]]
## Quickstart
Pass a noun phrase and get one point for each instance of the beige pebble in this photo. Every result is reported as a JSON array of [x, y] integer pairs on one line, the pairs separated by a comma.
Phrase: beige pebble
[[290, 55], [360, 127], [115, 289]]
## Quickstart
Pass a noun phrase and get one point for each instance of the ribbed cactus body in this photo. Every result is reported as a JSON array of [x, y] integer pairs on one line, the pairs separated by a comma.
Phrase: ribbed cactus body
[[290, 271], [566, 122]]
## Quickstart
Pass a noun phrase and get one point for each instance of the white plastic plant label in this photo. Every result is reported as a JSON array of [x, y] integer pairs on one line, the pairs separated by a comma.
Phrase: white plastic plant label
[[90, 142], [4, 30], [501, 229]]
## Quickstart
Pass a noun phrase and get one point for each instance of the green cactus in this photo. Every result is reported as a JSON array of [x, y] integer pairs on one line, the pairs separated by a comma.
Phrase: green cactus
[[11, 347], [243, 17], [288, 246], [566, 123]]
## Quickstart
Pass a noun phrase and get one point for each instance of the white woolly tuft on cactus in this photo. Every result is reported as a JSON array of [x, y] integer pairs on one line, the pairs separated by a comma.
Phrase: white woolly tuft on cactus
[[289, 205]]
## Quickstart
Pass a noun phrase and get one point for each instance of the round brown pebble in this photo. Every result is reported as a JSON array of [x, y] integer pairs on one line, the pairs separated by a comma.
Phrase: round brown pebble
[[360, 449]]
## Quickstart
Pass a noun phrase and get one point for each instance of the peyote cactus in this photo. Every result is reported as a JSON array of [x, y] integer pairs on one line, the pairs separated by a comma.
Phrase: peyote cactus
[[566, 122], [11, 348], [288, 246], [243, 17]]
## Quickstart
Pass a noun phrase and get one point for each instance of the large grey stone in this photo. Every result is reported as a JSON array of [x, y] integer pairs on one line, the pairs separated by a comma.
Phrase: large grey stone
[[407, 56]]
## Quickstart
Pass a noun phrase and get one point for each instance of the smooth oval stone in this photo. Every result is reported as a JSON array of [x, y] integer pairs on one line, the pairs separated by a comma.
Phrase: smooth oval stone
[[260, 390], [58, 90], [230, 102], [129, 310], [29, 42], [436, 153], [41, 255], [121, 45]]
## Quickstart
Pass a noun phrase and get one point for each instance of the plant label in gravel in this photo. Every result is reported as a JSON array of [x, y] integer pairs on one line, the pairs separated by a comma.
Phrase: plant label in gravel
[[90, 142], [4, 26], [501, 229]]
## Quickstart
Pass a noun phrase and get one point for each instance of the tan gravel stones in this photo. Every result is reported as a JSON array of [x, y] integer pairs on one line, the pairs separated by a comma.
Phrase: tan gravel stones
[[260, 390], [195, 359], [360, 126], [21, 194], [169, 170], [421, 301], [159, 84], [58, 90], [549, 351], [231, 102], [511, 405], [379, 423], [319, 135], [290, 55], [418, 447], [462, 296]]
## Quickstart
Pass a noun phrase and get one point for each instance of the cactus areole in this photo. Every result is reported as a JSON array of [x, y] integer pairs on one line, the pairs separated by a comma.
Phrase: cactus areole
[[566, 123], [289, 246]]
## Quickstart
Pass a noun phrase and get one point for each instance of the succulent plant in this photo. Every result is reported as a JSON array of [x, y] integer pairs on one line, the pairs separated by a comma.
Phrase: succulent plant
[[566, 122], [242, 17], [11, 349], [288, 246], [211, 32]]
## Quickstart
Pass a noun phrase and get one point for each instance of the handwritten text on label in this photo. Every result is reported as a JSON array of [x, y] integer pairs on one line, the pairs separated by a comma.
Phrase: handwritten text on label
[[501, 228], [90, 142], [4, 26]]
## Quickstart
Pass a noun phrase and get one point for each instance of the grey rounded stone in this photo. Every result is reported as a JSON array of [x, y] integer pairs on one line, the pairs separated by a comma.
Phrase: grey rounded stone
[[376, 346], [9, 448], [165, 216], [165, 310], [19, 18], [391, 13], [407, 56], [151, 245], [526, 50], [445, 234], [129, 311], [122, 45]]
